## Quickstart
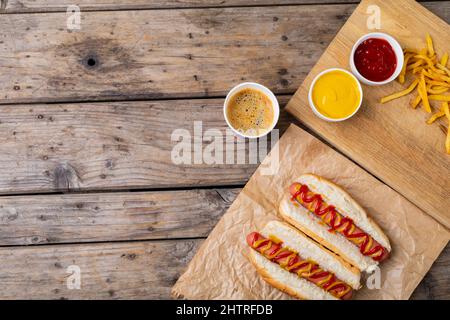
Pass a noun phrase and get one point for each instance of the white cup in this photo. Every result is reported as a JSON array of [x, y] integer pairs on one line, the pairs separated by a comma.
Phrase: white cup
[[397, 50], [263, 89], [313, 106]]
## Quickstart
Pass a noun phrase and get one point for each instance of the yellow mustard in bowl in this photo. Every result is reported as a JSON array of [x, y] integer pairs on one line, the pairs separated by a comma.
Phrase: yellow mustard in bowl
[[336, 94]]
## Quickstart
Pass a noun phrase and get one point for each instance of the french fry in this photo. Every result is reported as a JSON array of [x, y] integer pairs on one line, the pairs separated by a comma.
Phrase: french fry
[[435, 116], [437, 76], [401, 77], [446, 110], [416, 64], [401, 93], [430, 45], [417, 70], [426, 59], [440, 76], [438, 71], [432, 82], [428, 73], [444, 59], [442, 68], [438, 83], [439, 97], [414, 103], [447, 114], [436, 89], [423, 93]]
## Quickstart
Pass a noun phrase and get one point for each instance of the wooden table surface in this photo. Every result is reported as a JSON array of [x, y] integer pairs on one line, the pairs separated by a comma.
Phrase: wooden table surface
[[86, 176]]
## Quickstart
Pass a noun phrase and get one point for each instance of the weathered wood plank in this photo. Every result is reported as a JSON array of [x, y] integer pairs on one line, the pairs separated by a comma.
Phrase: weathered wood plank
[[162, 53], [16, 6], [28, 6], [106, 217], [133, 270], [436, 284], [121, 145], [102, 217], [107, 268]]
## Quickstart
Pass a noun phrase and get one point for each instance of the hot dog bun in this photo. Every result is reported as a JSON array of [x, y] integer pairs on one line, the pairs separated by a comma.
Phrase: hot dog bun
[[312, 225], [291, 283], [287, 282]]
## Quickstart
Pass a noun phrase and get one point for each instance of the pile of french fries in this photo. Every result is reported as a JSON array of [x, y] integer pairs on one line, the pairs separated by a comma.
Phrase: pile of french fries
[[431, 79]]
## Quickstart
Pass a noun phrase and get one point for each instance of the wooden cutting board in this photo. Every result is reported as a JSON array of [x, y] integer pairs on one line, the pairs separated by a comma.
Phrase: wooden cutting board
[[391, 141]]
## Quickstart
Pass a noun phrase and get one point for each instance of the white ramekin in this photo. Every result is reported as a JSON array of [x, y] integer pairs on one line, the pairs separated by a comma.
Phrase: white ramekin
[[263, 89], [314, 108], [397, 50]]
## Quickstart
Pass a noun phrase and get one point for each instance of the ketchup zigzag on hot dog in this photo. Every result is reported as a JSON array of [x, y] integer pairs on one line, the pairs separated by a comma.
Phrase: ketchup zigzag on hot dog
[[330, 216], [299, 266]]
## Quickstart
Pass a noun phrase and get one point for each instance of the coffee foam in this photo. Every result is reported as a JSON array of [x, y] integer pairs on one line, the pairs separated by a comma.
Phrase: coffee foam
[[250, 110]]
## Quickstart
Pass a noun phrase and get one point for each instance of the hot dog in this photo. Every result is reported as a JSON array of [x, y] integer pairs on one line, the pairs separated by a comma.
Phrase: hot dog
[[297, 265], [329, 215]]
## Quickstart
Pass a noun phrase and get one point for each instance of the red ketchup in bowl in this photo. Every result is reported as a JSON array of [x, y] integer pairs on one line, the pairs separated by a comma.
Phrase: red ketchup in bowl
[[375, 59]]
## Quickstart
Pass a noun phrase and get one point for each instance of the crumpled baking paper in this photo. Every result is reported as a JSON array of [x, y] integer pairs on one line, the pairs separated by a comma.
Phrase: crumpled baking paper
[[220, 269]]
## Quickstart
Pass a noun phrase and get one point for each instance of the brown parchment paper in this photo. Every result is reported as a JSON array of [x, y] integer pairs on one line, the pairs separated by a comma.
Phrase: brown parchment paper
[[220, 269]]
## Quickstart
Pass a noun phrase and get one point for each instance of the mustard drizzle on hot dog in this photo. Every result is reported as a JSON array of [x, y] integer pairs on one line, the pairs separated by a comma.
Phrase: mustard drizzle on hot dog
[[289, 260], [337, 222]]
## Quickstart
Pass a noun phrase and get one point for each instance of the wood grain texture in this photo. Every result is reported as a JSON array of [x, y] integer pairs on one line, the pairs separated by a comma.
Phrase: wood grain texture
[[391, 141], [28, 6], [163, 53], [134, 270], [141, 55], [120, 270], [22, 6], [105, 217], [87, 147], [436, 284], [121, 145]]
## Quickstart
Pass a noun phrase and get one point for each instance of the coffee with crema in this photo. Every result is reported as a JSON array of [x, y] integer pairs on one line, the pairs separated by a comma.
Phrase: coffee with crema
[[250, 111]]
